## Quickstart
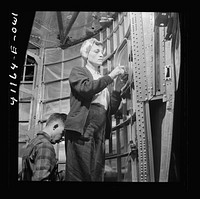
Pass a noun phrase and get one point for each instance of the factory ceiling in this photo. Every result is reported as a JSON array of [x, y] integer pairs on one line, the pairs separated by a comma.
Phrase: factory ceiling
[[63, 29]]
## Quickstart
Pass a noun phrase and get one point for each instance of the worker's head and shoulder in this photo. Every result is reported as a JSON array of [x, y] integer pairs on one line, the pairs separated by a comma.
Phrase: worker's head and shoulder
[[39, 158], [54, 129], [52, 133]]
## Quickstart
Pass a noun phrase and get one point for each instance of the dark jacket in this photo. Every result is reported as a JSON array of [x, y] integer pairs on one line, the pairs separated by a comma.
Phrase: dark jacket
[[83, 88]]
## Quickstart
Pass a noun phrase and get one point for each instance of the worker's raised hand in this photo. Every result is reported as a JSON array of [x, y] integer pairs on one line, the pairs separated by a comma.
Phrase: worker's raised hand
[[121, 81], [119, 70]]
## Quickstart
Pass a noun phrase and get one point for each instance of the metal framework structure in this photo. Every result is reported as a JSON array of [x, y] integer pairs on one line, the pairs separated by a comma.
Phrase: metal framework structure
[[64, 33], [139, 149], [144, 143]]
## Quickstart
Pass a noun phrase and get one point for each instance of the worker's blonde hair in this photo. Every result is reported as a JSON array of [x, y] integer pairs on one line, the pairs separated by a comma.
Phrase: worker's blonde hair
[[87, 45]]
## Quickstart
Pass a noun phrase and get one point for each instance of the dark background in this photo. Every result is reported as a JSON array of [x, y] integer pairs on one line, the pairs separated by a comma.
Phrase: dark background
[[180, 140]]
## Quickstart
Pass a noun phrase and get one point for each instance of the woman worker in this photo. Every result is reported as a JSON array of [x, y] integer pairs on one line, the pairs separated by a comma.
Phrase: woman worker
[[88, 123]]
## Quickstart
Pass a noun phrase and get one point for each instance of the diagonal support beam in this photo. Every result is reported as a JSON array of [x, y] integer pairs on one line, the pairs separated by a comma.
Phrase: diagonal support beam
[[74, 16], [60, 25]]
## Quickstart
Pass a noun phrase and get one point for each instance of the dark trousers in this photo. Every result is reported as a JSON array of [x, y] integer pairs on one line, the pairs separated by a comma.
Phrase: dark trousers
[[85, 154]]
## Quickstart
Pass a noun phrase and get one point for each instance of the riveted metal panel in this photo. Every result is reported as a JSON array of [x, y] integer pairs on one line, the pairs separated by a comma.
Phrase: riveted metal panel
[[141, 90], [148, 27], [162, 31], [139, 65], [141, 143]]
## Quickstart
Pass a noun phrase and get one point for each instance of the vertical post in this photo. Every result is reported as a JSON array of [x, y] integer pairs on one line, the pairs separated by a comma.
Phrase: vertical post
[[149, 141], [124, 104], [134, 163], [141, 87], [148, 27], [33, 124], [118, 151], [39, 87], [162, 59], [157, 61], [167, 124]]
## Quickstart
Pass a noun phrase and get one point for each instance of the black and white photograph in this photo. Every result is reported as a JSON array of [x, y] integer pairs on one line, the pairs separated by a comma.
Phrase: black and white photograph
[[97, 96]]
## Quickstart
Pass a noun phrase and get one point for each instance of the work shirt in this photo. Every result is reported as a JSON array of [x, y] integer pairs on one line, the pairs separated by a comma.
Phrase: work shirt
[[39, 159], [103, 96]]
